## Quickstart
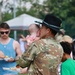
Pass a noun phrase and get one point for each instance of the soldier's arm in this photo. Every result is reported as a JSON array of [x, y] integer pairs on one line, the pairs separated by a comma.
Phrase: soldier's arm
[[28, 57]]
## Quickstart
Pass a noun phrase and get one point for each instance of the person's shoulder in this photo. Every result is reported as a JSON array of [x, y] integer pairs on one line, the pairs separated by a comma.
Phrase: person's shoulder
[[47, 41], [14, 41], [59, 38], [37, 43], [64, 64], [40, 41], [67, 62]]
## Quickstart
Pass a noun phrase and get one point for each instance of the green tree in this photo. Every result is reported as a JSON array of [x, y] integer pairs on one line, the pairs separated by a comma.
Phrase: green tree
[[65, 9]]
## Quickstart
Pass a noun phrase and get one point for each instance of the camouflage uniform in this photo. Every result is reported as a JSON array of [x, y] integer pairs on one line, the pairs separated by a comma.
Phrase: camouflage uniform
[[42, 57]]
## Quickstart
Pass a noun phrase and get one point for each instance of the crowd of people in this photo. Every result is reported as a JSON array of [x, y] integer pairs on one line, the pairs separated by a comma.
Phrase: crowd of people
[[47, 50]]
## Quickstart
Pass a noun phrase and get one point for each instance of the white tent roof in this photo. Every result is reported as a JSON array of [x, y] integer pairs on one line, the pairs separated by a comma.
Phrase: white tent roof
[[21, 22]]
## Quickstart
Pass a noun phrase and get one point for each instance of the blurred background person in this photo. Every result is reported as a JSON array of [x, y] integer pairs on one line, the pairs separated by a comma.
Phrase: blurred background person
[[67, 38], [62, 37], [68, 64], [73, 49], [22, 43], [8, 48], [59, 35]]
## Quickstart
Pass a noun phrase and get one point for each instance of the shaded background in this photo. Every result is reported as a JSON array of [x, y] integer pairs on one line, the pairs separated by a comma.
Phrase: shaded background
[[65, 9]]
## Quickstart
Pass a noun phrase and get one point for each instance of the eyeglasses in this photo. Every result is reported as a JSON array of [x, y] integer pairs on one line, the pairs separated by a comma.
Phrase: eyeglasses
[[6, 32]]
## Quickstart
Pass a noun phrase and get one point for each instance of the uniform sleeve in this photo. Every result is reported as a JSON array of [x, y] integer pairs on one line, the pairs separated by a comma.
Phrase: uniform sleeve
[[28, 57], [64, 70]]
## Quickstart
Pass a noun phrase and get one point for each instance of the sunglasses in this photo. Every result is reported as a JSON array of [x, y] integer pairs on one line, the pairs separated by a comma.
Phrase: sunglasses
[[6, 32]]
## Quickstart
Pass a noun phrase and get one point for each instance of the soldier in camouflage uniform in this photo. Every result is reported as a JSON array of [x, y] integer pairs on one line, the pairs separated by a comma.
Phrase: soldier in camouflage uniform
[[44, 55]]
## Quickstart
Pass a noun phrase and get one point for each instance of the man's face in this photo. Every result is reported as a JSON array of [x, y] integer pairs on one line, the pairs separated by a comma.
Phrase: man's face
[[4, 33], [43, 32]]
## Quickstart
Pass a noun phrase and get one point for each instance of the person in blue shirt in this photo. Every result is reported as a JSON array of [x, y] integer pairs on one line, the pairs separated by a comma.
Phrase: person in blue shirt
[[68, 64], [8, 48]]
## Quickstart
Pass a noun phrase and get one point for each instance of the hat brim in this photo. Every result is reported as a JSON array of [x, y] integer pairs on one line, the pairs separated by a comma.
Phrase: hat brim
[[38, 22], [49, 25]]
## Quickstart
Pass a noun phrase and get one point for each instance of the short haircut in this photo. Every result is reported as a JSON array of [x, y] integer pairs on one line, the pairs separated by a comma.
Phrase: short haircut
[[66, 47], [4, 25]]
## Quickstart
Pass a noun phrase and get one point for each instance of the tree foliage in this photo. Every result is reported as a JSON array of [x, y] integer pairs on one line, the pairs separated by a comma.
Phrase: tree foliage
[[65, 9]]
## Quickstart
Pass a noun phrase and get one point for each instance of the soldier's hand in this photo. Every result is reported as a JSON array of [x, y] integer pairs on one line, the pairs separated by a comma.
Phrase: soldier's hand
[[24, 70]]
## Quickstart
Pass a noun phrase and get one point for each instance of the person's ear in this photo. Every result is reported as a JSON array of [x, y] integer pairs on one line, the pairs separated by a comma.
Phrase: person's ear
[[48, 31]]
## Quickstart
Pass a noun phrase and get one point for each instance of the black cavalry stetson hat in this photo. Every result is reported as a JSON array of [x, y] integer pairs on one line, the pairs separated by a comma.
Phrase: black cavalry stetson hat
[[52, 22]]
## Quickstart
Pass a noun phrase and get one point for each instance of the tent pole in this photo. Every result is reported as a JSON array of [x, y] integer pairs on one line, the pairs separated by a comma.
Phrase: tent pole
[[15, 35], [14, 12]]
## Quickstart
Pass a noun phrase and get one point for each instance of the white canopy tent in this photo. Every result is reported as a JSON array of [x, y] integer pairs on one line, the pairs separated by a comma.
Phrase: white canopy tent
[[21, 22]]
